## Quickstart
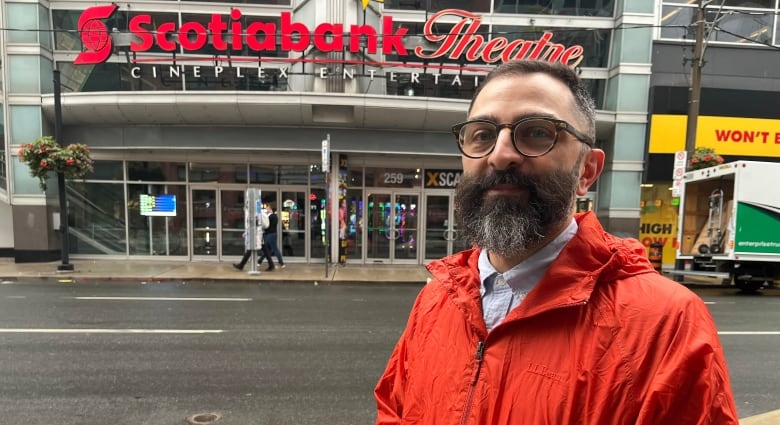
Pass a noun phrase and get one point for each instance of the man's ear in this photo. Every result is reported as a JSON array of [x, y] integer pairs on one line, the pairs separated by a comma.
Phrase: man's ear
[[590, 170]]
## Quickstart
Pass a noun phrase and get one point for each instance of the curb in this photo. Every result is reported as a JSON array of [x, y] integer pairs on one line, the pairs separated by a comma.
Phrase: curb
[[768, 418]]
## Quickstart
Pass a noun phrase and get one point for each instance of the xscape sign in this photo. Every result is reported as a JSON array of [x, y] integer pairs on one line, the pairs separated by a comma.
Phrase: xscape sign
[[442, 179], [461, 43]]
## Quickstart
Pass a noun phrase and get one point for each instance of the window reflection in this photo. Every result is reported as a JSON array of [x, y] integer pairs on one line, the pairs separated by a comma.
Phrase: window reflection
[[157, 235], [557, 7], [96, 218]]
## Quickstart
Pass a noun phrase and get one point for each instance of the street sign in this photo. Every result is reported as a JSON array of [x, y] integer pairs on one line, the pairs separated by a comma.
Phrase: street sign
[[680, 159], [326, 154], [677, 186]]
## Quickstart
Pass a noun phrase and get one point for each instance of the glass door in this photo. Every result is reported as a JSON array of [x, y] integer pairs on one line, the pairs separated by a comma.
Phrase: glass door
[[292, 219], [204, 222], [231, 231], [441, 235], [391, 227]]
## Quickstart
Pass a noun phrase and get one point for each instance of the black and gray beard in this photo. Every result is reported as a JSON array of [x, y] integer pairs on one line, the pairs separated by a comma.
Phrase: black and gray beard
[[510, 225]]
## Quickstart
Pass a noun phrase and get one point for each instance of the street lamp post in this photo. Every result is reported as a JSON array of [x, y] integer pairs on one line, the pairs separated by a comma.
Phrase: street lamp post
[[65, 265]]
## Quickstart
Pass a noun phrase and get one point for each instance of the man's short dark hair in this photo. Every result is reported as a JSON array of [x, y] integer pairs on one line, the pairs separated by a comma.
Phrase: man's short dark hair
[[585, 105]]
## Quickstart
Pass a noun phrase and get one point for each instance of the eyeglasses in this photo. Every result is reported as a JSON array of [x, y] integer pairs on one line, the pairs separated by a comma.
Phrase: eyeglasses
[[532, 136]]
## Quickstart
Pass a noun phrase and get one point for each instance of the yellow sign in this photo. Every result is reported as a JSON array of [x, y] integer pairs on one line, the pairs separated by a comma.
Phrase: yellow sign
[[366, 2], [727, 135]]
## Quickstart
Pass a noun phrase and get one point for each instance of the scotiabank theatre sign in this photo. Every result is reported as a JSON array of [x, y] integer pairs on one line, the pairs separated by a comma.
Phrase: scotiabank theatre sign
[[461, 44]]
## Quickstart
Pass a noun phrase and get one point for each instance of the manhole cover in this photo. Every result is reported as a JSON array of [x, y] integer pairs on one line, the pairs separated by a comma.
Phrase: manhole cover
[[203, 418]]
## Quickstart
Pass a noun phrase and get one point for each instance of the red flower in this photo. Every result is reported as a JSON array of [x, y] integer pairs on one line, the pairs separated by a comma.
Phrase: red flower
[[720, 160], [44, 164], [708, 158], [694, 160], [70, 161]]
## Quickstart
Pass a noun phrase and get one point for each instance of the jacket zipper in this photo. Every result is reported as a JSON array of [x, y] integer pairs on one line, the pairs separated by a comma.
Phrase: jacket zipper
[[472, 390]]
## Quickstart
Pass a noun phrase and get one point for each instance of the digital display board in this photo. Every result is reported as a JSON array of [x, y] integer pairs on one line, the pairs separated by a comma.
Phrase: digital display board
[[158, 205]]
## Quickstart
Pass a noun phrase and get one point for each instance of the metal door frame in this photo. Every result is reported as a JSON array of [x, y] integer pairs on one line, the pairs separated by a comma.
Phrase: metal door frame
[[217, 188], [392, 193], [451, 232]]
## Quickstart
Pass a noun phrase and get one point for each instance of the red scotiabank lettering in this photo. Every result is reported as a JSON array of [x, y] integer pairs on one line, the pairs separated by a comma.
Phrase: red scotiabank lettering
[[262, 36], [464, 40]]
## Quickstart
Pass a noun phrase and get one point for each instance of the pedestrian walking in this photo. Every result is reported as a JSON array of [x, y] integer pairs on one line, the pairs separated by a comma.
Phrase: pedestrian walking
[[548, 319], [264, 225], [271, 238]]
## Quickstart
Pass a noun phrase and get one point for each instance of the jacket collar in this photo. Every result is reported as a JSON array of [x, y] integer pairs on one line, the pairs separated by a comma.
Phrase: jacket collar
[[592, 256]]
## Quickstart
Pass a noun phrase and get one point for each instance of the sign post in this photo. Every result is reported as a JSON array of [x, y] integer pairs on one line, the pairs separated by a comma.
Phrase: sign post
[[253, 238], [680, 159], [326, 169]]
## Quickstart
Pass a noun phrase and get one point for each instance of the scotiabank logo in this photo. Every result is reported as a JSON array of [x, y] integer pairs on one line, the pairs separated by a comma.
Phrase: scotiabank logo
[[462, 43], [94, 34]]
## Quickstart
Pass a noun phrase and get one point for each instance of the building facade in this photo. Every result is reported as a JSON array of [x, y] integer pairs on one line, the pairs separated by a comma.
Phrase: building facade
[[198, 101], [740, 85]]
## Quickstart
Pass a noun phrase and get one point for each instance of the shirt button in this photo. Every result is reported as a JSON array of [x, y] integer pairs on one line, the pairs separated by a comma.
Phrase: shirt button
[[500, 280]]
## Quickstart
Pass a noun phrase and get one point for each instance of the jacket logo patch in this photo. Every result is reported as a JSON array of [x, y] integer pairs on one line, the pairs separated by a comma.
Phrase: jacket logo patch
[[542, 370]]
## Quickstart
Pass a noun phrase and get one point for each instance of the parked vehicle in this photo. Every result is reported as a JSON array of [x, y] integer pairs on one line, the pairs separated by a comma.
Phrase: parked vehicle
[[729, 224]]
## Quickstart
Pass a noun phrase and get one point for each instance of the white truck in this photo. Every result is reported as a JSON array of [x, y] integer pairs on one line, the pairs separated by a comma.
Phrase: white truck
[[729, 224]]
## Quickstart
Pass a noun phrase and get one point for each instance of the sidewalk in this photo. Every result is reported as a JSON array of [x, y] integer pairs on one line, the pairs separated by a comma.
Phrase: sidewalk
[[178, 271]]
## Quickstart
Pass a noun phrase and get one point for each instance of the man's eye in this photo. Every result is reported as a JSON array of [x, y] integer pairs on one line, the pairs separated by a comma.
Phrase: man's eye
[[537, 132], [482, 136]]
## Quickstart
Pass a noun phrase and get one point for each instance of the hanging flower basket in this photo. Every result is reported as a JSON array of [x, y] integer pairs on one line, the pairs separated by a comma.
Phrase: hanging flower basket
[[44, 155], [703, 158]]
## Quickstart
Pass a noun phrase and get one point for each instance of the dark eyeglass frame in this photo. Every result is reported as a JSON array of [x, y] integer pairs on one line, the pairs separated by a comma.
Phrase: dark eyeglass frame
[[558, 125]]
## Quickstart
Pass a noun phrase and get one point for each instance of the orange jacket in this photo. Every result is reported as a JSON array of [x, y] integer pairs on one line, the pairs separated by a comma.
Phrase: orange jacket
[[602, 339]]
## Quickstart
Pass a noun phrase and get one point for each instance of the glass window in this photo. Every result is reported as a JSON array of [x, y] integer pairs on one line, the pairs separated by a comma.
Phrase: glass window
[[23, 22], [232, 78], [222, 173], [106, 170], [156, 171], [47, 75], [355, 177], [596, 89], [66, 36], [21, 75], [96, 218], [437, 5], [265, 174], [24, 183], [595, 43], [157, 235], [294, 174], [25, 123], [741, 27], [119, 77], [43, 23], [562, 7], [676, 22]]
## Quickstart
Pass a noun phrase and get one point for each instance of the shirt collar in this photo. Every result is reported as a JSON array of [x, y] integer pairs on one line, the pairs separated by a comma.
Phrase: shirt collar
[[525, 275]]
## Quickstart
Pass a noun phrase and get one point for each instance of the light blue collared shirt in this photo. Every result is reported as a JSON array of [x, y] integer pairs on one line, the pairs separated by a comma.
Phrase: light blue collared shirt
[[502, 292]]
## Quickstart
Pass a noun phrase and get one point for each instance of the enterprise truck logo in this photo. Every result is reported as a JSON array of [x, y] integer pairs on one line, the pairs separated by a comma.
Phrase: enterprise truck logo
[[94, 34]]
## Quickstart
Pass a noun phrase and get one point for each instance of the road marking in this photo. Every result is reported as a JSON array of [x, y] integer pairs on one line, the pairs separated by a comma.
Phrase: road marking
[[161, 299], [112, 331], [749, 333]]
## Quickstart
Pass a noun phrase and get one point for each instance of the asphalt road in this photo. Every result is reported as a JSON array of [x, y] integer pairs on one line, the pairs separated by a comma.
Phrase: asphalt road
[[122, 353]]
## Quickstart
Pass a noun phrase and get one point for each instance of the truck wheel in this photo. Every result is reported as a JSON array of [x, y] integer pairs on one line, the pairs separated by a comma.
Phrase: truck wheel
[[748, 286]]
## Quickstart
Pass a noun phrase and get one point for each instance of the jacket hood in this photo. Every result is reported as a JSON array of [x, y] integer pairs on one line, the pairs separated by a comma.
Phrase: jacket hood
[[592, 256]]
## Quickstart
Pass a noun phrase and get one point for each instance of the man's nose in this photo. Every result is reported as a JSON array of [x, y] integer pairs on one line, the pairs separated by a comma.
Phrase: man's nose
[[504, 155]]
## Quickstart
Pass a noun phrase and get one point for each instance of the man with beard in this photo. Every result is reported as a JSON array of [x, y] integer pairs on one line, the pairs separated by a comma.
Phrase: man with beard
[[548, 319]]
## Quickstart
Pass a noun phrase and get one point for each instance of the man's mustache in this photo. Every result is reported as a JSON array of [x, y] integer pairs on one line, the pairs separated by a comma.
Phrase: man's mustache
[[507, 177]]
